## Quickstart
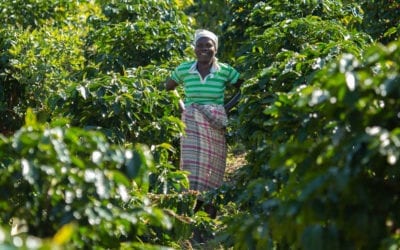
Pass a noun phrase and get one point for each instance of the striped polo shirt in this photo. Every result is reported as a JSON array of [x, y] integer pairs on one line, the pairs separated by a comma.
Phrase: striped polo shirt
[[209, 90]]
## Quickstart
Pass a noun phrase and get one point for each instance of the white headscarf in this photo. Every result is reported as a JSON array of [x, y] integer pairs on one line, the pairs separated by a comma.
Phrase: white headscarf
[[205, 33]]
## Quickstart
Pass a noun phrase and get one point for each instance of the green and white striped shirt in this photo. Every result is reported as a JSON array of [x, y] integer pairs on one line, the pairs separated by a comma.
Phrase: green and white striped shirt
[[211, 89]]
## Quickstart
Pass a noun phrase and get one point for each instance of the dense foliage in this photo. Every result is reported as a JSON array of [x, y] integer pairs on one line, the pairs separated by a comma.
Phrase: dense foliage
[[58, 176], [89, 149], [317, 89]]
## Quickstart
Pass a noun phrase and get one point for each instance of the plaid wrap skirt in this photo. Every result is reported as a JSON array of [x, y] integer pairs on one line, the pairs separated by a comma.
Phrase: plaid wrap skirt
[[203, 146]]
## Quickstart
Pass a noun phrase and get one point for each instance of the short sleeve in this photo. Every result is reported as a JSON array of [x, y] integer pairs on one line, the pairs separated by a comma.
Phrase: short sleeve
[[176, 76], [233, 75]]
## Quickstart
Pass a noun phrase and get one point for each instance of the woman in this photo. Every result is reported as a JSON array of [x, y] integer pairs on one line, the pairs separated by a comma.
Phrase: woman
[[203, 146]]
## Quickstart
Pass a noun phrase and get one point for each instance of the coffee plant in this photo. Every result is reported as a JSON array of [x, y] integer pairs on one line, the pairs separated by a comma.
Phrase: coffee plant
[[89, 138]]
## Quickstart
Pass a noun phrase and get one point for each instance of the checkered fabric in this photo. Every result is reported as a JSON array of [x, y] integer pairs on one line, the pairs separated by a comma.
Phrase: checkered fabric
[[203, 147]]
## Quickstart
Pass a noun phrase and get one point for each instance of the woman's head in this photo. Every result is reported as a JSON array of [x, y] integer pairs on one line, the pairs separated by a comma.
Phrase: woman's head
[[206, 33], [206, 45]]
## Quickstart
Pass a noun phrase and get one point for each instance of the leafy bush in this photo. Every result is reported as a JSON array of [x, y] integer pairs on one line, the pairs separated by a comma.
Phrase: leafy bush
[[130, 109], [349, 156], [35, 13], [39, 59], [249, 18], [52, 176], [10, 90], [283, 59], [42, 62], [316, 161], [381, 20], [129, 37], [126, 108]]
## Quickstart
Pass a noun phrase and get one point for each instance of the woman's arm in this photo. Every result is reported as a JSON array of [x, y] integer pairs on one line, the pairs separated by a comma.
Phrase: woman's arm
[[238, 83], [235, 99]]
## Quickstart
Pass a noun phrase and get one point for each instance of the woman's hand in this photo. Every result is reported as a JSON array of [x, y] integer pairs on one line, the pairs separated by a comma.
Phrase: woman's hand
[[238, 84], [170, 84], [181, 104]]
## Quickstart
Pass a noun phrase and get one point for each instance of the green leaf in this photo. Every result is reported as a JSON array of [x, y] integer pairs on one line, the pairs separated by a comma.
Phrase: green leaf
[[30, 118]]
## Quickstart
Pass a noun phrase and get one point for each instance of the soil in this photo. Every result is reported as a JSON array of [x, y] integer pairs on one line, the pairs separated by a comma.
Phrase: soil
[[233, 163]]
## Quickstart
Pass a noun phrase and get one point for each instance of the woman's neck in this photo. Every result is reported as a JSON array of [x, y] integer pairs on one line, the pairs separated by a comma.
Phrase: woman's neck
[[204, 68], [204, 65]]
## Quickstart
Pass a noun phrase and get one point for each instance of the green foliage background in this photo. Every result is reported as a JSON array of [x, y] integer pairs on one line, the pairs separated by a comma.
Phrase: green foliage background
[[89, 150]]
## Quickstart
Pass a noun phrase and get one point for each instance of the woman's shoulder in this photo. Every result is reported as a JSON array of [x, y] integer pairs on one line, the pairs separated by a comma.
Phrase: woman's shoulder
[[224, 66], [186, 64]]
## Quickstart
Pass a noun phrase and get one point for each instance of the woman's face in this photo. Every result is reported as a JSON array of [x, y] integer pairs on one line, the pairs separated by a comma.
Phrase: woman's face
[[205, 49]]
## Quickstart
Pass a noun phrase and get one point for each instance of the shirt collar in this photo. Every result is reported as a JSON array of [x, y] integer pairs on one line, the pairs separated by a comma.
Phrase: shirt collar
[[214, 68]]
